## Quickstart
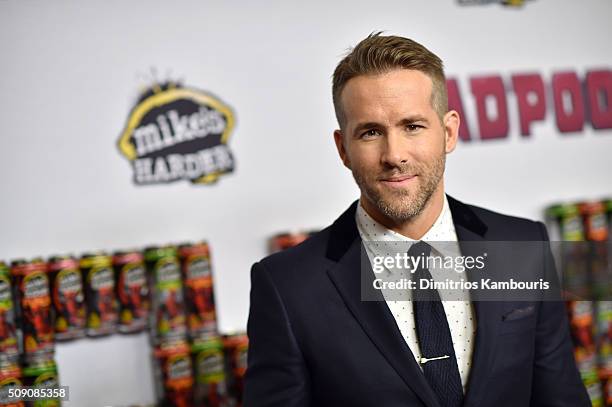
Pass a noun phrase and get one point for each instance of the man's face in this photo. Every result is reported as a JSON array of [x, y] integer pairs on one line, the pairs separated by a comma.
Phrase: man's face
[[394, 142]]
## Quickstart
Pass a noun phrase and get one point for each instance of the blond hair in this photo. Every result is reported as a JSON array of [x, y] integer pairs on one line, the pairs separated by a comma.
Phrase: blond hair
[[378, 54]]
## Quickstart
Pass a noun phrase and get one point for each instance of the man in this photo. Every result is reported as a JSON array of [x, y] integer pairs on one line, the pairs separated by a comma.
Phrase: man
[[315, 341]]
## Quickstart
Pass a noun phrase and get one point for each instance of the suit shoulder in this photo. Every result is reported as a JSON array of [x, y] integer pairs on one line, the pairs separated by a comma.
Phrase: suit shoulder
[[306, 255], [507, 227]]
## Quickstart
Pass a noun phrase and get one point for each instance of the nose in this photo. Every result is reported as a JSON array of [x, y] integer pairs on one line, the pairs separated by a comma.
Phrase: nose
[[394, 152]]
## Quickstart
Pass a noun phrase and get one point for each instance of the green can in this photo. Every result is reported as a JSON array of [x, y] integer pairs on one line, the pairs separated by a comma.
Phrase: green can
[[210, 380], [168, 303], [567, 220]]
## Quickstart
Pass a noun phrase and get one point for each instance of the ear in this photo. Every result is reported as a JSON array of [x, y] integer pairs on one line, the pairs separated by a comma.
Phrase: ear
[[339, 140], [451, 122]]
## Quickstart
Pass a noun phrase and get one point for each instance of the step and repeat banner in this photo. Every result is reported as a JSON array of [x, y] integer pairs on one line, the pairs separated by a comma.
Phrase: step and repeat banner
[[126, 125]]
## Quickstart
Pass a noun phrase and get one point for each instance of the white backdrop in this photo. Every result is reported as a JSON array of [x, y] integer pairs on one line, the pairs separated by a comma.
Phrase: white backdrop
[[71, 71]]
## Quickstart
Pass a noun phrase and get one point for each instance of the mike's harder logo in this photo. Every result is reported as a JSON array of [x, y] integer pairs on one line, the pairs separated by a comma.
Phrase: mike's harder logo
[[177, 133]]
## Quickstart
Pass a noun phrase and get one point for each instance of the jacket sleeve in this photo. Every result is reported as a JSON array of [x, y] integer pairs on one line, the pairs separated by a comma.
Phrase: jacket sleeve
[[276, 373], [556, 381]]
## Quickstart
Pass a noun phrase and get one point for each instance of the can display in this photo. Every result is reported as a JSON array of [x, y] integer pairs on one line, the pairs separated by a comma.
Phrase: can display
[[168, 304], [210, 377], [33, 299], [605, 323], [10, 376], [99, 283], [174, 375], [199, 295], [236, 348], [568, 221], [9, 348], [42, 375], [68, 298], [132, 291], [597, 232], [286, 240]]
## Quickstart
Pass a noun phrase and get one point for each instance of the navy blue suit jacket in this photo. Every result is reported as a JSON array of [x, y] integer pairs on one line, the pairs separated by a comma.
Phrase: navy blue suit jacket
[[313, 342]]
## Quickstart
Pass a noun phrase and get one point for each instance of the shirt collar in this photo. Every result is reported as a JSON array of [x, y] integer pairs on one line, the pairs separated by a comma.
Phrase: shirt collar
[[443, 229]]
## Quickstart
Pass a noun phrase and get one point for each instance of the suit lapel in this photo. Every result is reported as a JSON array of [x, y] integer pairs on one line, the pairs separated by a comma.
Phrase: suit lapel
[[373, 316], [470, 231]]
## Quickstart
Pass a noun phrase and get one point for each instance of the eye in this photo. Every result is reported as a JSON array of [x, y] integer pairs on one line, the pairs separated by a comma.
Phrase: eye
[[413, 127], [370, 133]]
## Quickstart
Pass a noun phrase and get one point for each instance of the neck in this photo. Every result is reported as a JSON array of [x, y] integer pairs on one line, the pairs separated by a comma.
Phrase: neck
[[416, 227]]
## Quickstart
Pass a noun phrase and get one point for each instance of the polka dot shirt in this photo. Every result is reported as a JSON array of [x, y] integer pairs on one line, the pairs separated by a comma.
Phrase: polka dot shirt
[[459, 313]]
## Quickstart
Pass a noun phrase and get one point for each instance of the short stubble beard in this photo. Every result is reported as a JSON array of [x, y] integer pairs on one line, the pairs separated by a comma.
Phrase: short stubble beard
[[404, 206]]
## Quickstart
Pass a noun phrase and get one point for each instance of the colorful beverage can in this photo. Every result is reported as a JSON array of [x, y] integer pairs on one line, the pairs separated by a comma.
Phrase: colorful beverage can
[[132, 291], [68, 298], [174, 375], [236, 347], [42, 375], [199, 294], [9, 348], [210, 378], [10, 377], [595, 222], [597, 232], [33, 300], [99, 280], [167, 295], [608, 204], [566, 219], [286, 240]]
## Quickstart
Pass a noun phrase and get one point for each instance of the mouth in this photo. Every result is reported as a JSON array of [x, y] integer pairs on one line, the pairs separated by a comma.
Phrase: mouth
[[398, 180]]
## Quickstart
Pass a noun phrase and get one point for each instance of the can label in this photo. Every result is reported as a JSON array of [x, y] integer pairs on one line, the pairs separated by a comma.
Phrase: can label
[[210, 367], [68, 302], [179, 370], [133, 295], [200, 300], [8, 332], [9, 379], [169, 301], [102, 306], [36, 312]]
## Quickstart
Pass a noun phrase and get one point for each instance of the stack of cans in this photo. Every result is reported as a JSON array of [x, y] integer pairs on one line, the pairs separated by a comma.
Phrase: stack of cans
[[584, 255], [597, 232], [167, 289], [188, 350]]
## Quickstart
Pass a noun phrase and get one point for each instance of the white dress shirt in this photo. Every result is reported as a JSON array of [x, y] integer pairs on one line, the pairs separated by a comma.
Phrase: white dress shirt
[[459, 314]]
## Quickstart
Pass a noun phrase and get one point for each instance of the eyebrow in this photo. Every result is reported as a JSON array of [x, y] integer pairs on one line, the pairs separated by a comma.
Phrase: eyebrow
[[363, 126], [414, 119], [405, 121]]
